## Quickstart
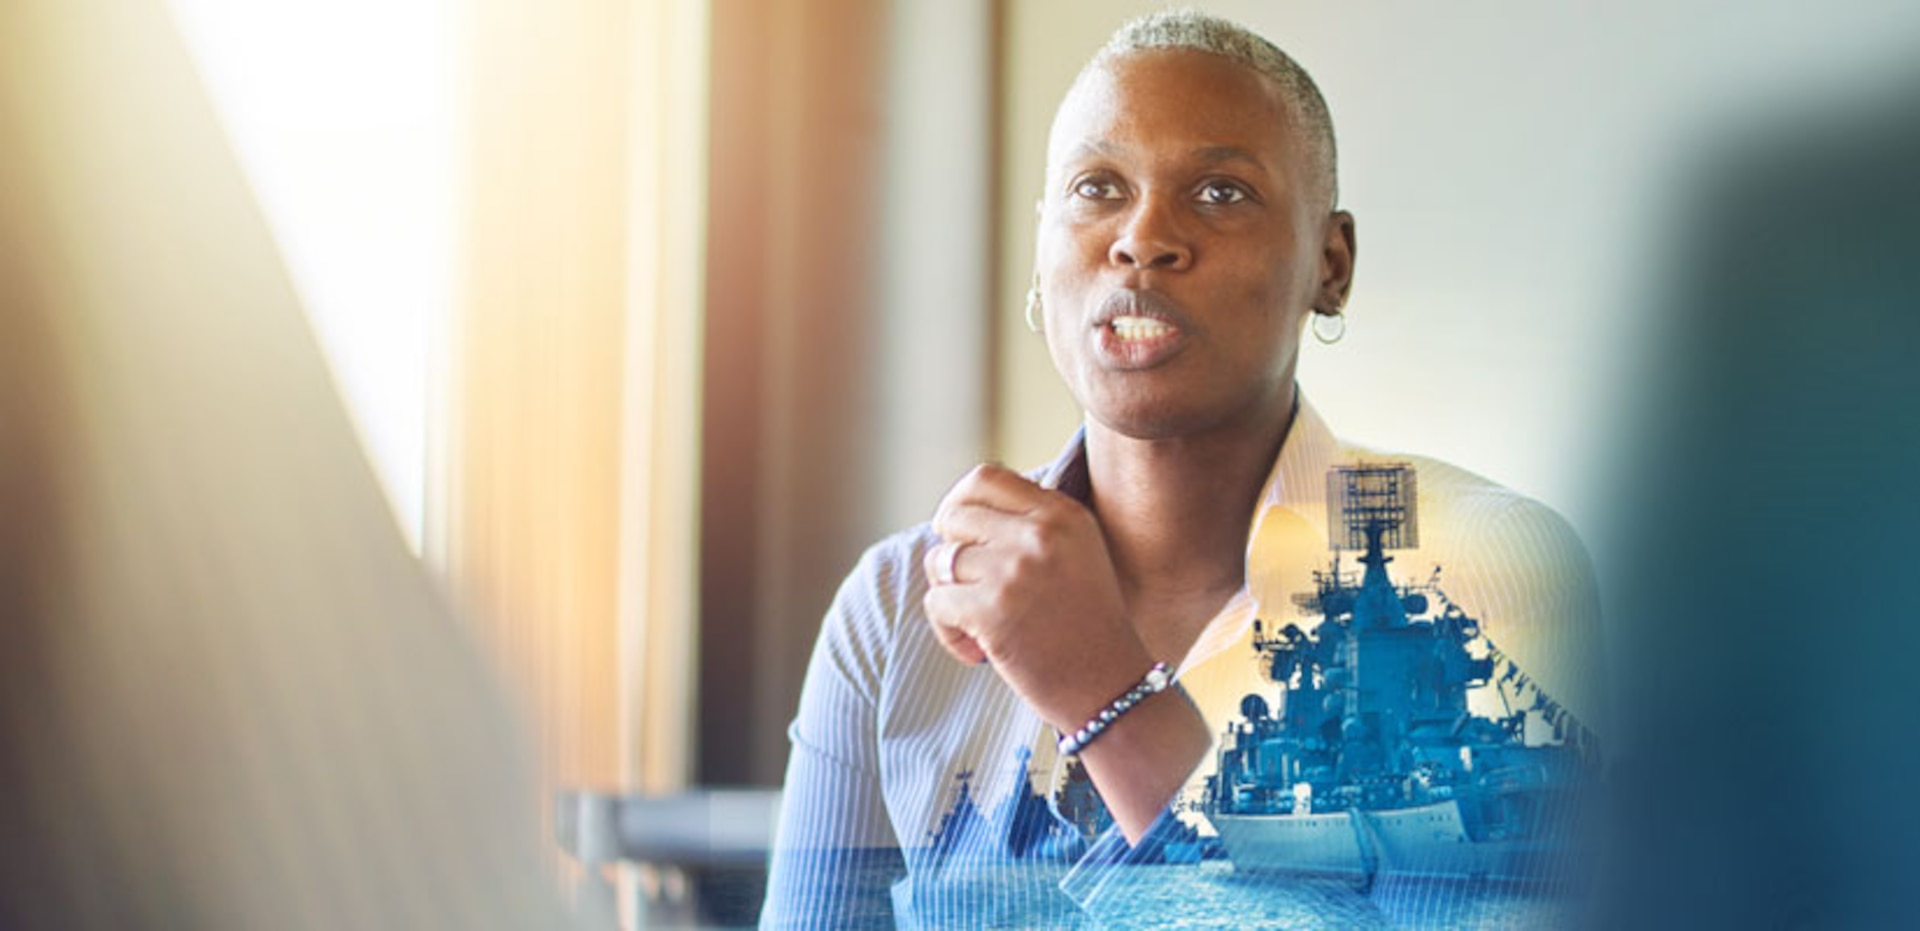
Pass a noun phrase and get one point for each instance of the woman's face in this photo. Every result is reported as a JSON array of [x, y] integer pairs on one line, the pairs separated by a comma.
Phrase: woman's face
[[1181, 245]]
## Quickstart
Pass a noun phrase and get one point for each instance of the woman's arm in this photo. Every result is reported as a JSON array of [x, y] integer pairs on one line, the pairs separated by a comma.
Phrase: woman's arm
[[1038, 597], [836, 857], [835, 861]]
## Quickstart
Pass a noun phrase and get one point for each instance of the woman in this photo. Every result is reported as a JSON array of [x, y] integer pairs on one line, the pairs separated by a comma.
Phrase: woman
[[1187, 230]]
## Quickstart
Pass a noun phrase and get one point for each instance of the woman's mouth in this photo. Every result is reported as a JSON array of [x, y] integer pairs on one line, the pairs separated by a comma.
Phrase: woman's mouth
[[1130, 342], [1135, 329]]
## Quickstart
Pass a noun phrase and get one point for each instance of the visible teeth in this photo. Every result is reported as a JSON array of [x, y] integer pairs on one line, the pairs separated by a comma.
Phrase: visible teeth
[[1130, 328]]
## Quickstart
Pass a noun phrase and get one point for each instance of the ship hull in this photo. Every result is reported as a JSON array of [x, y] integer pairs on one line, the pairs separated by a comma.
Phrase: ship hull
[[1426, 841], [1321, 844]]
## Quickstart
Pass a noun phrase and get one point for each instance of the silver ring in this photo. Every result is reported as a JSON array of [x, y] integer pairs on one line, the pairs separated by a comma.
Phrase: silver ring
[[943, 565]]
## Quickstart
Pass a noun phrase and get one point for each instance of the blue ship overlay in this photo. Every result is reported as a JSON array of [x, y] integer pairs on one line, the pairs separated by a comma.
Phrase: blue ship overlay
[[1366, 761], [1371, 762]]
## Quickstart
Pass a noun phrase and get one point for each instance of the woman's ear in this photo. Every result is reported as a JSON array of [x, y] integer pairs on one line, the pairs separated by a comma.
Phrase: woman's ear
[[1337, 250]]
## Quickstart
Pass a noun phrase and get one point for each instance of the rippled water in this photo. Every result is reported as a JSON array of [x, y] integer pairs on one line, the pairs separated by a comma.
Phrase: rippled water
[[1213, 895]]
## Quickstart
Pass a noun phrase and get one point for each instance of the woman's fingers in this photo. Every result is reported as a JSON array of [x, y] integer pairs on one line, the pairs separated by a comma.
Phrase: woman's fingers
[[960, 646], [942, 563], [972, 523], [1021, 576], [944, 609], [991, 487]]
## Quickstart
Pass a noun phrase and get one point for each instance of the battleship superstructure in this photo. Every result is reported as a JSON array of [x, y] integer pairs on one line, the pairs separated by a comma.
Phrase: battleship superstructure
[[1371, 762]]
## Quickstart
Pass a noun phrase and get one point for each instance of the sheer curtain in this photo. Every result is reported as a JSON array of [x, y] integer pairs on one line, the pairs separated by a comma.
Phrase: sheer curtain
[[562, 474], [494, 211]]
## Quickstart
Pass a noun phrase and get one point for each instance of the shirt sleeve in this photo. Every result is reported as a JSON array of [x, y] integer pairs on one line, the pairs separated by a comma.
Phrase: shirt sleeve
[[1527, 576], [836, 856], [1098, 882]]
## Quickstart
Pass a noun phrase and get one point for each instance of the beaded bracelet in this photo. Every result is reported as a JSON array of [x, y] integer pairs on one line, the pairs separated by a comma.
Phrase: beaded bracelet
[[1156, 680]]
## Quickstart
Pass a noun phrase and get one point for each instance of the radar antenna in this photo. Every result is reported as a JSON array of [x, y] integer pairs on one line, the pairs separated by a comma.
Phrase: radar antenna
[[1373, 499]]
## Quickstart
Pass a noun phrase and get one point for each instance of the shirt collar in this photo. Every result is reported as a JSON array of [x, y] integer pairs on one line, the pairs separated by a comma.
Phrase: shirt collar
[[1297, 479], [1286, 537]]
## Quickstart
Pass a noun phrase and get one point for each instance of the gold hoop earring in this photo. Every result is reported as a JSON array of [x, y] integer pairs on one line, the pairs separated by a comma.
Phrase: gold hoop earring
[[1338, 317], [1033, 305]]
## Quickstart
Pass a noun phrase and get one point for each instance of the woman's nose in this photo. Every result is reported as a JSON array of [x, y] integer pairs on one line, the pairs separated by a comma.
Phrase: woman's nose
[[1150, 239]]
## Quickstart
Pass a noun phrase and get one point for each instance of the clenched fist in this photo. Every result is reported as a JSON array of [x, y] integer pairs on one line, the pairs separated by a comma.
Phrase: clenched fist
[[1022, 579]]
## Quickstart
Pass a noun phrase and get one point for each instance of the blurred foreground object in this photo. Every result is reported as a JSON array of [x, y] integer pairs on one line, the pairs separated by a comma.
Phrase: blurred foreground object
[[1770, 535], [232, 699]]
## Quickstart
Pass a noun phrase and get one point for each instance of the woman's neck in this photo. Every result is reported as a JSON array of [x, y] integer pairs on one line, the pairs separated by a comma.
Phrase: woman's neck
[[1176, 512]]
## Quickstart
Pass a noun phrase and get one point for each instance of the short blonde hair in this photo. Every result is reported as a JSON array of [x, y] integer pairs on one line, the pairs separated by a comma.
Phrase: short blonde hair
[[1202, 32]]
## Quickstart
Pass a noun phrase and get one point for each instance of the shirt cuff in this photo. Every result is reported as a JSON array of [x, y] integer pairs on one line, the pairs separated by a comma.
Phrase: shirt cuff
[[1099, 881]]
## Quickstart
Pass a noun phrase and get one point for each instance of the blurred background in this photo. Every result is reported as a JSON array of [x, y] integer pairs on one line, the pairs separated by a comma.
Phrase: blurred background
[[649, 315], [652, 315]]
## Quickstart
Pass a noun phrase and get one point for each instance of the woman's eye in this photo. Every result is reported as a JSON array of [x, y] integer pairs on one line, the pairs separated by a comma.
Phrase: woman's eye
[[1096, 189], [1222, 192]]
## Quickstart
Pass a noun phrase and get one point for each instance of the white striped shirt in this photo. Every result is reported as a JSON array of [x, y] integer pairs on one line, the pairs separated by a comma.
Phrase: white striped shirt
[[892, 732]]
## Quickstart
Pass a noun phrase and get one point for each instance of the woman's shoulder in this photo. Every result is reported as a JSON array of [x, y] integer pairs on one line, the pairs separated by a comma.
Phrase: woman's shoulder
[[889, 573], [886, 583], [893, 561], [1519, 567], [1457, 502]]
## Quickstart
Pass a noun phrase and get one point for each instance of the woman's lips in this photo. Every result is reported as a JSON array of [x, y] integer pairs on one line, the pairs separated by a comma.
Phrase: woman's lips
[[1138, 328]]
